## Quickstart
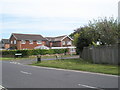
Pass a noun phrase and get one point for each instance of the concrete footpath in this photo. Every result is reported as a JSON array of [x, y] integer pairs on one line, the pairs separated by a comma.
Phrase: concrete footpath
[[33, 60]]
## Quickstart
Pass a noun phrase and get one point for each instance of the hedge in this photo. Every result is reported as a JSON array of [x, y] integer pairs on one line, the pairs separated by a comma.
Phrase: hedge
[[25, 53]]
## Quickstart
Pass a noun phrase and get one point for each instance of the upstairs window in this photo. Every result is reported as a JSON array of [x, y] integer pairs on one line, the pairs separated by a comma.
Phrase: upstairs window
[[14, 41], [23, 42], [11, 42], [63, 42], [69, 43], [39, 42], [31, 41]]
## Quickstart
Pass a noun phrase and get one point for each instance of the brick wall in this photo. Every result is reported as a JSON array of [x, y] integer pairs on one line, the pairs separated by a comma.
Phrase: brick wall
[[7, 46], [27, 45]]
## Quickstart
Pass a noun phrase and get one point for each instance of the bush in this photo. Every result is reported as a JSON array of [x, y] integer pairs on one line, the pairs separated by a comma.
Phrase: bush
[[6, 53], [59, 51], [50, 51], [24, 52], [11, 53]]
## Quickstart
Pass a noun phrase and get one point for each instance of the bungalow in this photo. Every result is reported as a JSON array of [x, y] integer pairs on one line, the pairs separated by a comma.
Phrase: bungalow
[[26, 41]]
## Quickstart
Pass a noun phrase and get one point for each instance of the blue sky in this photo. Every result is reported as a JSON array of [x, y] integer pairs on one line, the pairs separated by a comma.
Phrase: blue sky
[[51, 17]]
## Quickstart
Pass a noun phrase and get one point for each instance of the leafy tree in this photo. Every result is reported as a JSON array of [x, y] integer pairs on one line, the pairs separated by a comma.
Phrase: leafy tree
[[106, 31]]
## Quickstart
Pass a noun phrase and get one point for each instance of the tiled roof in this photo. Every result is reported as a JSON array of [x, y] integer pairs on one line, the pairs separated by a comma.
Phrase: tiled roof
[[59, 38], [5, 41], [28, 36]]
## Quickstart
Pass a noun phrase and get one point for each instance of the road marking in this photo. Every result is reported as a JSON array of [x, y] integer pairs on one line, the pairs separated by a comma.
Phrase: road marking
[[2, 88], [87, 86], [25, 72], [15, 62]]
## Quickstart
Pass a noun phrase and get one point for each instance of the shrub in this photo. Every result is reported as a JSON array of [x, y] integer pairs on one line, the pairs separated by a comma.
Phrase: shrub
[[9, 53], [24, 52]]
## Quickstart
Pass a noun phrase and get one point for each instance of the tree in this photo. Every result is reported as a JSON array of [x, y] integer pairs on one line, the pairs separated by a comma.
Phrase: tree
[[107, 30], [103, 30]]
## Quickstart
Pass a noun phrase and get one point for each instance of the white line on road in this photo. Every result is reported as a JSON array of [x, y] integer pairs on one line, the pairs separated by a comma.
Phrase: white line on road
[[2, 88], [25, 72], [15, 62], [87, 86]]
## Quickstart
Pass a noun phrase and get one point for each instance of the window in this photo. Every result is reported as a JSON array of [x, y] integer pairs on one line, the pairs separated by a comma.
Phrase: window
[[39, 42], [11, 42], [31, 41], [14, 41], [69, 43], [23, 42], [63, 42]]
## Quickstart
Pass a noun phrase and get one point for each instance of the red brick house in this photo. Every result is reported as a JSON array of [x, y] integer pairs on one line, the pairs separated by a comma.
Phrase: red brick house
[[5, 44], [26, 41], [33, 41], [60, 41]]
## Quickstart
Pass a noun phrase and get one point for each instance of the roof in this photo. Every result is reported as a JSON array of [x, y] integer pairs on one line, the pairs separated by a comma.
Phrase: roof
[[28, 36], [5, 41], [41, 47], [63, 47], [59, 38]]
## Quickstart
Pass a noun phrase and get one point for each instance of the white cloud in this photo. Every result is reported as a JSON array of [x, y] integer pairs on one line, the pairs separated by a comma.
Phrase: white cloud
[[29, 15], [61, 8]]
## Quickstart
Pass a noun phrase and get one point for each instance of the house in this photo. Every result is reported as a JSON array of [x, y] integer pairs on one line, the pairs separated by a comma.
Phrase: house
[[5, 44], [36, 41], [60, 41], [27, 41]]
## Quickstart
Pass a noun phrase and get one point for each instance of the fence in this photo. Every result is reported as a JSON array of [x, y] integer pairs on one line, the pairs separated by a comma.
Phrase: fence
[[102, 54]]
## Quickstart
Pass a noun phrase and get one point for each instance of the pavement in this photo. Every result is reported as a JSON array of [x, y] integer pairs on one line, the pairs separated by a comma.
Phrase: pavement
[[18, 75], [32, 60]]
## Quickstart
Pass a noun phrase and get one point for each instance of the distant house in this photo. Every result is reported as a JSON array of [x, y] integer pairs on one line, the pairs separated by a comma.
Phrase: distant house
[[5, 44], [36, 41], [26, 41], [60, 41]]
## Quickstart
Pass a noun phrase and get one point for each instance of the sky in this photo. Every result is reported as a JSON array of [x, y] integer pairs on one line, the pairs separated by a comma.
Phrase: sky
[[51, 17]]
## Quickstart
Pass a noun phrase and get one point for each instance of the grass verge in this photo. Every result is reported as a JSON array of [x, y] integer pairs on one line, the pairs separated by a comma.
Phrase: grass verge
[[8, 58], [79, 64]]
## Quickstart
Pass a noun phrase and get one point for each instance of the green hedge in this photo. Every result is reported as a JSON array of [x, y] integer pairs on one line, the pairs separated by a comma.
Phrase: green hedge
[[25, 53]]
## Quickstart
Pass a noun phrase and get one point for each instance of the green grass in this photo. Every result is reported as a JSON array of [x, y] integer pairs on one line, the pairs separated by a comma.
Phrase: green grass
[[1, 58], [79, 64], [9, 58]]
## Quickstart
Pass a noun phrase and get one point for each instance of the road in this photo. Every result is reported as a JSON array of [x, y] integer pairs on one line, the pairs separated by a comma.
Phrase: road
[[16, 75]]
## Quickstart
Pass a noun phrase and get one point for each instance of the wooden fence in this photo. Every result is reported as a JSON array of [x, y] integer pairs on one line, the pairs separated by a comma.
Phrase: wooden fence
[[102, 54]]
